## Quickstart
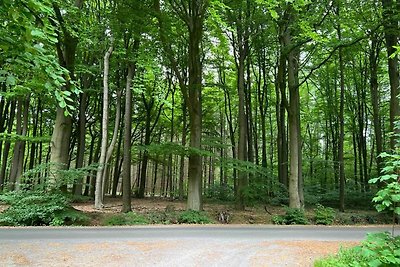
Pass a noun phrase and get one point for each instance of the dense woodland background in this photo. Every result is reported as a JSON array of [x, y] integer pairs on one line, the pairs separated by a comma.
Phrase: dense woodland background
[[246, 101]]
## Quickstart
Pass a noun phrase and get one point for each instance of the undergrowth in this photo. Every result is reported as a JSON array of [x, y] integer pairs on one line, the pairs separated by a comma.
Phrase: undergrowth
[[36, 207], [379, 249], [292, 216], [130, 218]]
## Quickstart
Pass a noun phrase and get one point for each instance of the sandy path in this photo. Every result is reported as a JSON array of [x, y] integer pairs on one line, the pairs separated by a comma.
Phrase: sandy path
[[166, 253]]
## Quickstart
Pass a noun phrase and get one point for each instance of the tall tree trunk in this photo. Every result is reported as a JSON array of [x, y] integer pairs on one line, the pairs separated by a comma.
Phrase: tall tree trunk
[[98, 195], [295, 178], [182, 158], [16, 160], [60, 139], [242, 142], [145, 157], [117, 166], [391, 29], [341, 121], [7, 145], [280, 88], [375, 98], [80, 154], [126, 169], [195, 19]]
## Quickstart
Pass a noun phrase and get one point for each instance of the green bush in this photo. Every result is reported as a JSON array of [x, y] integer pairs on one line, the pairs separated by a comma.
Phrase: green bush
[[166, 217], [194, 217], [220, 192], [324, 215], [31, 208], [292, 216], [345, 258], [379, 249], [264, 189], [130, 218]]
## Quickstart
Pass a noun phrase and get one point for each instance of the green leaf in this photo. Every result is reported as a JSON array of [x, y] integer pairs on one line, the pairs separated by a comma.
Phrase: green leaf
[[37, 33], [397, 211], [373, 180], [62, 104], [375, 263], [11, 80]]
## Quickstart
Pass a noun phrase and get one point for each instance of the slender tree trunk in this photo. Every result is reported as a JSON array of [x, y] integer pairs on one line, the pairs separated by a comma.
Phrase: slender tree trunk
[[145, 157], [16, 161], [197, 11], [280, 88], [81, 141], [98, 195], [7, 145], [375, 97], [182, 158], [126, 169], [242, 143], [117, 166], [341, 122], [60, 140], [391, 29], [295, 178]]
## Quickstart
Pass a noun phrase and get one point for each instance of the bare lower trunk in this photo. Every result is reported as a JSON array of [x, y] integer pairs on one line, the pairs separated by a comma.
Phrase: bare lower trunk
[[390, 17], [126, 169], [341, 121], [81, 141], [182, 159], [374, 88], [294, 130], [98, 195], [195, 18], [60, 141]]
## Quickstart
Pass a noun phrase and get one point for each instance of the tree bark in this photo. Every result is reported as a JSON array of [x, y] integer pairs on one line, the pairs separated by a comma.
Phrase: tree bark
[[375, 98], [391, 31], [195, 19], [80, 154], [98, 195], [126, 169]]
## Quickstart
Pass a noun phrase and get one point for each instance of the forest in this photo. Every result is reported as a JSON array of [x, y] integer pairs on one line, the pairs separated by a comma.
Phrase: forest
[[247, 101]]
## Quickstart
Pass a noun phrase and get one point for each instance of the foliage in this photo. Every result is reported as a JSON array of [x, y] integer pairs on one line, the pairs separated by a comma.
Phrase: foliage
[[379, 249], [36, 207], [324, 215], [194, 217], [28, 63], [130, 218], [166, 217], [265, 189], [388, 197], [314, 195], [292, 216], [345, 258], [68, 176], [220, 192]]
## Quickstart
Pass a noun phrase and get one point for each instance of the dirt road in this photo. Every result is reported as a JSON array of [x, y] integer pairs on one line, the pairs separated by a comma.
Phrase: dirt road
[[174, 245]]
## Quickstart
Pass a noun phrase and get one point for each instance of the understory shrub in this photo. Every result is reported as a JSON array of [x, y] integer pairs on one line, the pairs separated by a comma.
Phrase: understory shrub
[[330, 197], [36, 207], [130, 218], [292, 216], [194, 217], [166, 217], [324, 215], [264, 189], [220, 192], [379, 249]]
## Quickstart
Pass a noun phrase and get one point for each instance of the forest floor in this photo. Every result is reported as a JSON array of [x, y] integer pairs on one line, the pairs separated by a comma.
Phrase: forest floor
[[160, 253], [258, 214]]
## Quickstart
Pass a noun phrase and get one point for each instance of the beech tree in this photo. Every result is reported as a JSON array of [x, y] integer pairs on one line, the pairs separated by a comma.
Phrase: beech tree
[[252, 100]]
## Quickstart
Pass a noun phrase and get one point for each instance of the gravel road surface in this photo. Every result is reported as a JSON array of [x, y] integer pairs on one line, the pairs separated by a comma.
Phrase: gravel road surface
[[175, 245]]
